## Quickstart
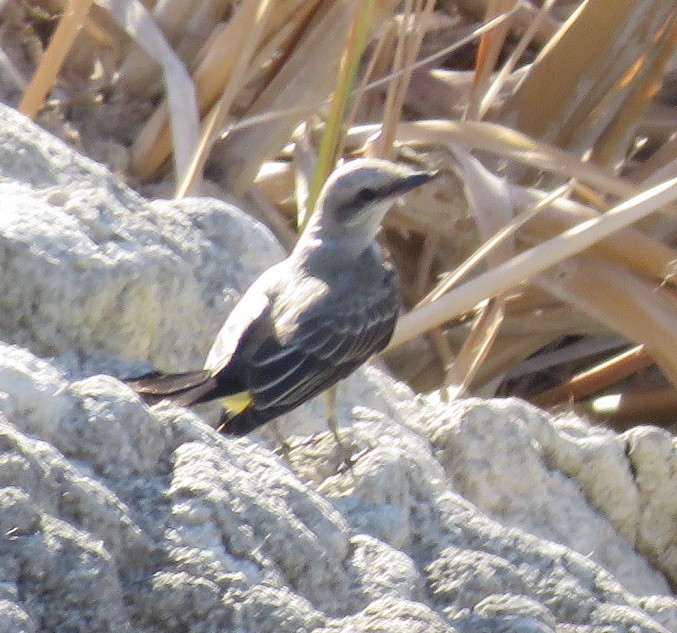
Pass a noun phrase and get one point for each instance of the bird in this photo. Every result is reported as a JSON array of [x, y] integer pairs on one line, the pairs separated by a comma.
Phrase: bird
[[311, 320]]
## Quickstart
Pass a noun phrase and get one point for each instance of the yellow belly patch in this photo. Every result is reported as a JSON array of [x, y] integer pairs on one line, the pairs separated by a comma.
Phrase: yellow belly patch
[[236, 402]]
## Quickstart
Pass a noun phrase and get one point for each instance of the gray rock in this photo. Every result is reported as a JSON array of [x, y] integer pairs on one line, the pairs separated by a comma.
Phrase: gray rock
[[115, 516], [528, 469], [87, 265]]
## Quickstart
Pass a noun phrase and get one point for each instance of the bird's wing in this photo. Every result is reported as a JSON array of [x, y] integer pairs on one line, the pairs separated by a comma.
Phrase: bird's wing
[[252, 307], [333, 336]]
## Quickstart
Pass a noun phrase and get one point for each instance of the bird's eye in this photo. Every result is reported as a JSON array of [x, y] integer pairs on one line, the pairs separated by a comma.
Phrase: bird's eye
[[366, 194]]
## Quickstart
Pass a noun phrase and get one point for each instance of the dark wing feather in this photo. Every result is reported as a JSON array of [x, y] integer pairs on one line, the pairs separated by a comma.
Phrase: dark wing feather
[[274, 382], [331, 340]]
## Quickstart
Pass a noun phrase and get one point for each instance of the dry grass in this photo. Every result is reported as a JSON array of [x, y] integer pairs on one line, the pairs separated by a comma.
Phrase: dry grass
[[553, 232]]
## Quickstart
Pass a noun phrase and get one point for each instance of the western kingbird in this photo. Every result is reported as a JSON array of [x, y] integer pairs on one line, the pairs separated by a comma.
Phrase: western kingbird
[[310, 320]]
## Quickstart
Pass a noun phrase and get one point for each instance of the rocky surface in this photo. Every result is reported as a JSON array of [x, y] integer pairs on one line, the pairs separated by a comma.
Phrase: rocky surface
[[88, 265], [477, 516]]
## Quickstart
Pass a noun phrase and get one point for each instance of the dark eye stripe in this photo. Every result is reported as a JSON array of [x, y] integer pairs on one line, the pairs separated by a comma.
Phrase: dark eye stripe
[[346, 211], [366, 194]]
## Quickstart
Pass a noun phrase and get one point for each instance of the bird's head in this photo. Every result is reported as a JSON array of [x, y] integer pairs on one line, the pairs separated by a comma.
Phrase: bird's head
[[356, 197]]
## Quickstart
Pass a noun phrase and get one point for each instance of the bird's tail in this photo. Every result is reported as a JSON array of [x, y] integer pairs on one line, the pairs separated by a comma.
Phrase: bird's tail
[[240, 423], [184, 389]]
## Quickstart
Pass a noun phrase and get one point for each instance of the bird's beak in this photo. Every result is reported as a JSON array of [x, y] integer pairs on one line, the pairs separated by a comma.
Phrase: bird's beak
[[411, 181]]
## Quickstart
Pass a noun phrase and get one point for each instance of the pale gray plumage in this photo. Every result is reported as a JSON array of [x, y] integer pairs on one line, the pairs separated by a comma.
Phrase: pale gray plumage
[[310, 320]]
